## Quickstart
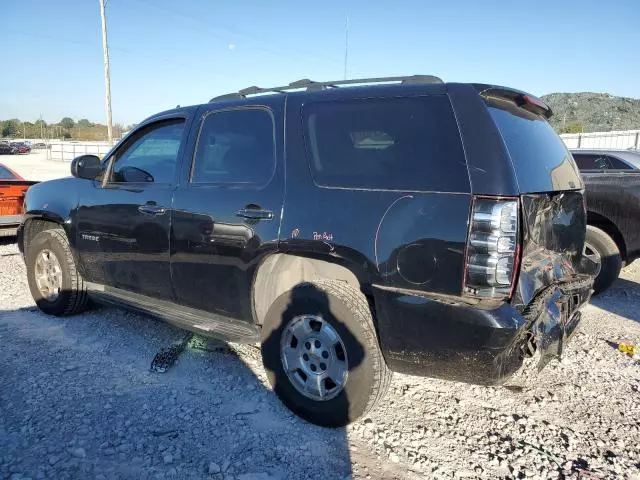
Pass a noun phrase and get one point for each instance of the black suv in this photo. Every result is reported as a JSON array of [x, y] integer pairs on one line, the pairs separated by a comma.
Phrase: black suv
[[397, 224]]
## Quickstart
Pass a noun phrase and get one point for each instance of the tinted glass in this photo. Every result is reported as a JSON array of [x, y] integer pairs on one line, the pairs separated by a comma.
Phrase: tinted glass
[[409, 144], [151, 156], [236, 147], [540, 158], [6, 174], [617, 164], [585, 162], [598, 162]]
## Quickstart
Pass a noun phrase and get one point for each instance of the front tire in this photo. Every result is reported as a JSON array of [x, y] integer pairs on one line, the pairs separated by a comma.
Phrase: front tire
[[320, 351], [601, 248], [55, 283]]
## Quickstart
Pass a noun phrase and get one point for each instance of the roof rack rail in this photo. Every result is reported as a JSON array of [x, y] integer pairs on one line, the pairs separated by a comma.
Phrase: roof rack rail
[[311, 85]]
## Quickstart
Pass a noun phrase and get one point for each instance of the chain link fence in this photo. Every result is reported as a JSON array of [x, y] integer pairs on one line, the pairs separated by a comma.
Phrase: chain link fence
[[67, 151]]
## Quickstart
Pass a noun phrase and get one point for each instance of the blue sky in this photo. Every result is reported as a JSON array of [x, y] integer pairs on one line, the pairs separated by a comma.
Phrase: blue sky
[[169, 52]]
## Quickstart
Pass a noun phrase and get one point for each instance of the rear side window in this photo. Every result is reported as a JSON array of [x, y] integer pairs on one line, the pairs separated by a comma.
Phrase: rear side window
[[408, 144], [617, 164], [540, 158], [235, 147]]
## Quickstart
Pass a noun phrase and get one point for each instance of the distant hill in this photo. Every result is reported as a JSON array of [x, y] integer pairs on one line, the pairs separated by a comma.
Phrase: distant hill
[[593, 112]]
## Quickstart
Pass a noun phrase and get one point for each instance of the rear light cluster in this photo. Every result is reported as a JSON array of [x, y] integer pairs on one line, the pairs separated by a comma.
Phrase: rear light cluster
[[493, 248]]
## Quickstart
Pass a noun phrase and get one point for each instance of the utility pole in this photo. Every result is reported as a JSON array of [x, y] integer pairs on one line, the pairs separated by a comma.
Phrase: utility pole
[[346, 47], [107, 74], [41, 133]]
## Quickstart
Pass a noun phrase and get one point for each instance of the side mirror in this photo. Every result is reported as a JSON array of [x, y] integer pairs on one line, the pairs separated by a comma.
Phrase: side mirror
[[134, 175], [86, 166]]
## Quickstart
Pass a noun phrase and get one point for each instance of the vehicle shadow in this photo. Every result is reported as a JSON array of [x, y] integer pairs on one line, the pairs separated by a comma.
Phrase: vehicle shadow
[[302, 302], [622, 298], [84, 403]]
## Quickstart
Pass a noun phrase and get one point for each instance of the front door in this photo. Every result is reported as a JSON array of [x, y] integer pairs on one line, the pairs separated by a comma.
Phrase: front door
[[124, 220], [226, 213]]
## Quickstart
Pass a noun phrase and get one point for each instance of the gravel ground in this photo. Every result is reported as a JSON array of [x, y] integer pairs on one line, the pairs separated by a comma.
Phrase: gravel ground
[[77, 400]]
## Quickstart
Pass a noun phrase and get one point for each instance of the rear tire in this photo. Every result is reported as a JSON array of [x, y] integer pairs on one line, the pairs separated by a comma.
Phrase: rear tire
[[599, 245], [339, 309], [55, 283]]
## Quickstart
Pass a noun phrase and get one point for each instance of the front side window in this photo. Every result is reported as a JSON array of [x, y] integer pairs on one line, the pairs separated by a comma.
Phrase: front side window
[[405, 143], [151, 156], [235, 147]]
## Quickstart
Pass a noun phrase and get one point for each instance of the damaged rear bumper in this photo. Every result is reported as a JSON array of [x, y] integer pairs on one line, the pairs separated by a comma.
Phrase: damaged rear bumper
[[553, 317], [456, 341]]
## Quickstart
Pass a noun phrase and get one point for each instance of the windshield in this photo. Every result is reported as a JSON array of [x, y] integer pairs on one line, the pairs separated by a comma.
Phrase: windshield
[[6, 174]]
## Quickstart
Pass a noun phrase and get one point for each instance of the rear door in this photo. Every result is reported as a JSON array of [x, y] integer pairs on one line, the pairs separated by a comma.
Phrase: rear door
[[123, 220], [381, 180], [227, 209]]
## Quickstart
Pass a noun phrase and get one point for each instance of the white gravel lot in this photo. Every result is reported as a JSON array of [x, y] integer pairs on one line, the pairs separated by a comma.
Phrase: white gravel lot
[[34, 166], [77, 400]]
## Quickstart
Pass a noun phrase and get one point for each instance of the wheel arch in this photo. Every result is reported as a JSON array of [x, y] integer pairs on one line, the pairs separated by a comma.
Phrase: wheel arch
[[33, 225], [280, 272], [603, 223]]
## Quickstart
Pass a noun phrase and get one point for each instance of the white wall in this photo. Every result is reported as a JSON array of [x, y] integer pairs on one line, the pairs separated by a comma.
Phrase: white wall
[[617, 139]]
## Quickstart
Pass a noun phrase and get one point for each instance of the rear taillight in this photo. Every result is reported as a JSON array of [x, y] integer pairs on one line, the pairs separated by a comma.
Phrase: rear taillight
[[492, 248]]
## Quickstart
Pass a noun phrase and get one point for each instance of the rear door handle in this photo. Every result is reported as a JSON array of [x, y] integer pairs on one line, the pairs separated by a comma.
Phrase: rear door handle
[[255, 214], [152, 209]]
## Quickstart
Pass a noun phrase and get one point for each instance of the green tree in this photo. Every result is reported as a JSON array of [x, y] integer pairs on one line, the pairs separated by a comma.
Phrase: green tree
[[573, 127], [27, 129], [9, 128], [67, 123], [39, 129], [84, 123]]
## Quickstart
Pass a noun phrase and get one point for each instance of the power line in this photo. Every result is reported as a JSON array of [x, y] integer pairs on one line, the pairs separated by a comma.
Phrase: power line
[[242, 33], [140, 54], [45, 37], [120, 49]]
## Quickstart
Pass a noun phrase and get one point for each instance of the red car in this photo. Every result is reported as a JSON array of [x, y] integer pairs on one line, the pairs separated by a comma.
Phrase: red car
[[21, 147], [12, 190]]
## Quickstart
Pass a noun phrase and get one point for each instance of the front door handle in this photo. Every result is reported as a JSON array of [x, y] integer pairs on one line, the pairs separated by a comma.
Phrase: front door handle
[[150, 209], [255, 214]]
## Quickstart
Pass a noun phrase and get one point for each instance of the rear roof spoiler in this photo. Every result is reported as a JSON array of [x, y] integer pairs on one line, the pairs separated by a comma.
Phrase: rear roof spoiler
[[522, 99]]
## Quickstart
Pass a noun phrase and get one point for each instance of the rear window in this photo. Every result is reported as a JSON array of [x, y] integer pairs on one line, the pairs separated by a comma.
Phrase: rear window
[[408, 144], [540, 158]]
